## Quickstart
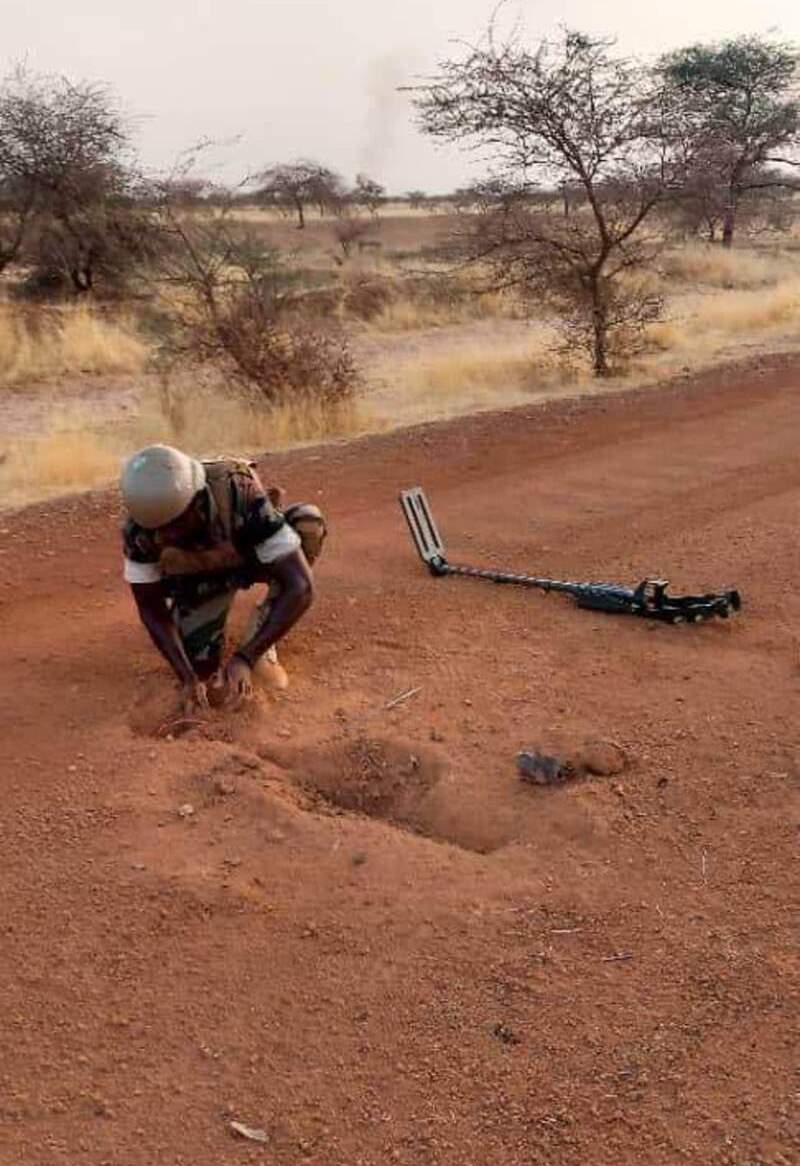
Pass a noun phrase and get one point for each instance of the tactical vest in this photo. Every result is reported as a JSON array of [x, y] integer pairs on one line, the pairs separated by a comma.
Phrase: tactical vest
[[221, 477]]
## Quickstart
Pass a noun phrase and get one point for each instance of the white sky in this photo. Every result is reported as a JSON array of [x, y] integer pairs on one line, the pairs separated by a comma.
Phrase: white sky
[[318, 78]]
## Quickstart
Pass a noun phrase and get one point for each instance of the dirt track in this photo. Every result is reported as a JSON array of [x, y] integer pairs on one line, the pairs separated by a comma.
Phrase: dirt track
[[477, 972]]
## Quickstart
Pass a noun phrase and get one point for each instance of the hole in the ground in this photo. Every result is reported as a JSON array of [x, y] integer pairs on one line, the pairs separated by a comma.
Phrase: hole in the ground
[[384, 779], [395, 781]]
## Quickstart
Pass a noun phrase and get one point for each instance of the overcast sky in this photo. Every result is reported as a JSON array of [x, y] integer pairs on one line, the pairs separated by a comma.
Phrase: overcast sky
[[318, 78]]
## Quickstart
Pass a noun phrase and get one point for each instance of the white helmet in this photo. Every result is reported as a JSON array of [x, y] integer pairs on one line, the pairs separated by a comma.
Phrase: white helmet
[[158, 483]]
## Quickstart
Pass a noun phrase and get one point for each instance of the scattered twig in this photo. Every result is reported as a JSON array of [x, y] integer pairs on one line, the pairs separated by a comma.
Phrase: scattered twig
[[243, 1131], [404, 696], [181, 724], [565, 930], [703, 864], [611, 959]]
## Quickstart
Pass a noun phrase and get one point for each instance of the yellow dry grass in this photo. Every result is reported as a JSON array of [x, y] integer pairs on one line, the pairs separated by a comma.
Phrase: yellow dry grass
[[207, 417], [59, 461], [406, 314], [74, 454], [751, 311], [715, 267], [464, 377], [423, 359], [65, 342], [705, 322]]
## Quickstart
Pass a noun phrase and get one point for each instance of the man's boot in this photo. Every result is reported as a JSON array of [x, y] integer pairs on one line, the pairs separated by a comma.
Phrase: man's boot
[[309, 523]]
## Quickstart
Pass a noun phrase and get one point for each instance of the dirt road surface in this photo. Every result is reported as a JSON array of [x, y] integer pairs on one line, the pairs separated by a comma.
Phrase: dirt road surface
[[354, 928]]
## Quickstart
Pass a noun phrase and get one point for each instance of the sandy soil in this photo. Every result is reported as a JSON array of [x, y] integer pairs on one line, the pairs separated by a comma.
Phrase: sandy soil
[[354, 928]]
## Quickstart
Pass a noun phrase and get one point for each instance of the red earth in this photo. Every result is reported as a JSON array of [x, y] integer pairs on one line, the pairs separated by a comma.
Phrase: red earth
[[353, 927]]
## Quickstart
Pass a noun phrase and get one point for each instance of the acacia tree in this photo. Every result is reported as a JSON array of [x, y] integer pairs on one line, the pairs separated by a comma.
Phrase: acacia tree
[[416, 199], [64, 175], [737, 105], [567, 114], [368, 193], [703, 204], [293, 186], [16, 209]]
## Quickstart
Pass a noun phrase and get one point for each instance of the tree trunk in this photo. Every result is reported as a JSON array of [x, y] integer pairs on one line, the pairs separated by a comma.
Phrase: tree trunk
[[301, 217], [729, 221], [600, 340], [599, 327]]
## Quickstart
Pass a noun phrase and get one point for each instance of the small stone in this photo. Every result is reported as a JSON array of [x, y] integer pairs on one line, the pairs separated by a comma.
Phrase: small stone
[[247, 761], [225, 786], [506, 1034], [358, 858], [186, 811], [603, 758], [543, 768]]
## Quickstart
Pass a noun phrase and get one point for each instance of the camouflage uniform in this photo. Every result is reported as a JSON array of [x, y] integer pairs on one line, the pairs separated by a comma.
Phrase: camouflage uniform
[[244, 531]]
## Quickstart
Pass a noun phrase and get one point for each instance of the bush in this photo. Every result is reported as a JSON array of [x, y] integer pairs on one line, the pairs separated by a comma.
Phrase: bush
[[284, 358], [233, 301]]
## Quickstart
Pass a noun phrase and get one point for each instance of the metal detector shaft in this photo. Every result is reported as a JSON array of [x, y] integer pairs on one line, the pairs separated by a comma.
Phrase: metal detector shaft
[[650, 598], [576, 589]]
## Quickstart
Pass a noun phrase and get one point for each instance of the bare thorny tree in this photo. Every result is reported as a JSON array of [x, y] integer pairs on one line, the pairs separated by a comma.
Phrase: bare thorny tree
[[568, 115], [232, 302], [293, 186]]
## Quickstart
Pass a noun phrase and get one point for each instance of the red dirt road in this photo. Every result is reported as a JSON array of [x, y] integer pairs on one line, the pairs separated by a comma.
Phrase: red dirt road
[[474, 972]]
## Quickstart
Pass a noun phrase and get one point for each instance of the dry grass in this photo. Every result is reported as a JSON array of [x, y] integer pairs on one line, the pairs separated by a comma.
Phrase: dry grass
[[407, 314], [60, 461], [74, 454], [468, 377], [715, 267], [751, 311], [426, 356], [204, 417], [63, 343], [397, 232], [704, 322]]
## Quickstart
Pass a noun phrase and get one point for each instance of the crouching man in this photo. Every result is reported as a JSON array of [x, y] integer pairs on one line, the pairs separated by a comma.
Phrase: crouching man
[[198, 532]]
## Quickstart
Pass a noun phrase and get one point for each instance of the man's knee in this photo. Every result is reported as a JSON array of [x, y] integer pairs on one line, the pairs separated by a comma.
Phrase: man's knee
[[307, 592], [310, 525]]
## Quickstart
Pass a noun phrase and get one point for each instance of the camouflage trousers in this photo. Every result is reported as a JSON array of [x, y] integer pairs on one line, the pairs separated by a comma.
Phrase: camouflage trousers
[[201, 609]]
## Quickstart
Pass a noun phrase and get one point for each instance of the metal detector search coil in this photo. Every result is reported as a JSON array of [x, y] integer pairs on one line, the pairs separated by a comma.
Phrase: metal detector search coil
[[650, 599]]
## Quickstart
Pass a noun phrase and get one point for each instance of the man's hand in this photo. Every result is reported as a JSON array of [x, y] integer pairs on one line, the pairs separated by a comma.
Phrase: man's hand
[[194, 699], [240, 679]]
